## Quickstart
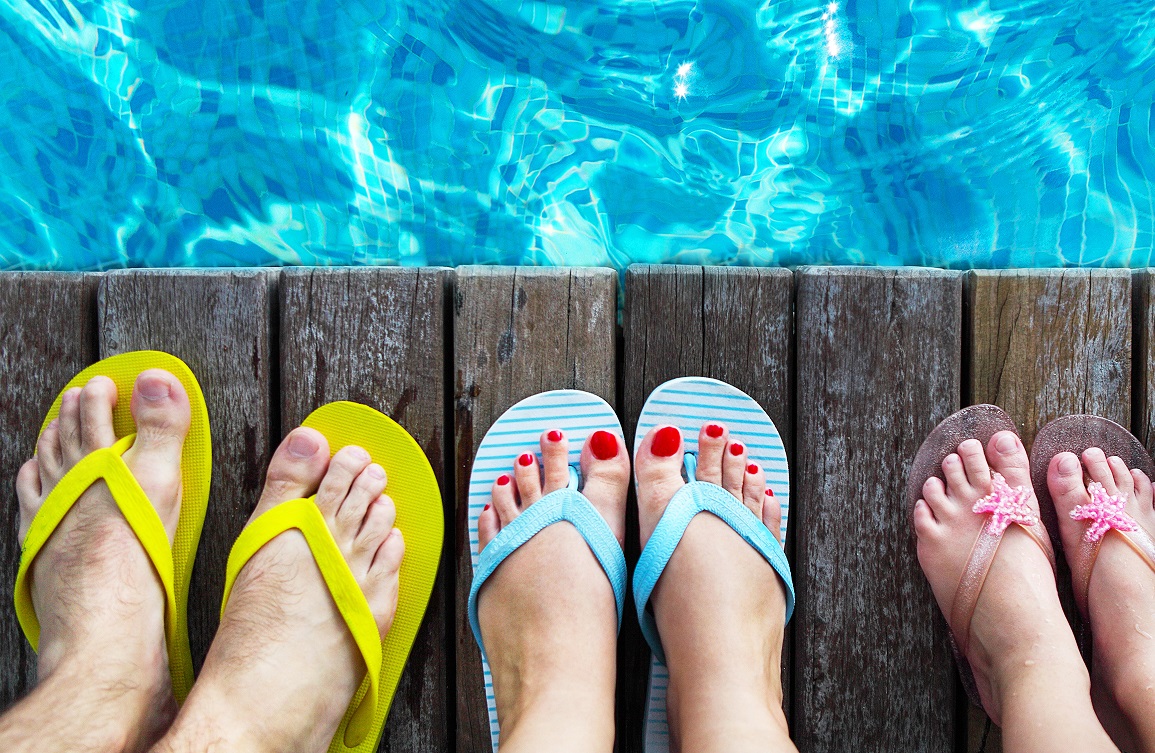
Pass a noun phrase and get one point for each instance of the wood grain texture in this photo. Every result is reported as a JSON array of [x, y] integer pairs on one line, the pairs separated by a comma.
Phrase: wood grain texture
[[47, 335], [1143, 362], [517, 332], [729, 323], [219, 323], [1043, 344], [878, 362], [377, 336]]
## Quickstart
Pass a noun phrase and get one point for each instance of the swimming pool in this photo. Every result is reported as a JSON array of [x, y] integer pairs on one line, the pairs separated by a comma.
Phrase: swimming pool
[[586, 132]]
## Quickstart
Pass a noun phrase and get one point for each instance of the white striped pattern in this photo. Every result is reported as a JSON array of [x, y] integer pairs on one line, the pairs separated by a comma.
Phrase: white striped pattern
[[575, 413], [689, 403]]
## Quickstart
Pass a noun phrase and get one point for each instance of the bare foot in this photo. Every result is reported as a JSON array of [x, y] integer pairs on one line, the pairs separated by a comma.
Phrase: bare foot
[[283, 666], [1120, 597], [719, 606], [1025, 661], [548, 616], [99, 602]]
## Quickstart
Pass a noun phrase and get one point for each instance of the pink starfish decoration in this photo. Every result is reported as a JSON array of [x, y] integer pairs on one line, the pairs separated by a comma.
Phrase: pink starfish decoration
[[1006, 505], [1106, 511]]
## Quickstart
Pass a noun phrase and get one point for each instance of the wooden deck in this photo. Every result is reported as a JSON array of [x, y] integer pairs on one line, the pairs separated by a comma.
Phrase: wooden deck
[[854, 365]]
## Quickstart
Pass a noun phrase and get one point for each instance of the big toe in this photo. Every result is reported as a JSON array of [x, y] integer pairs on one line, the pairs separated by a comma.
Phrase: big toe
[[606, 470], [1065, 483], [658, 467], [160, 408], [296, 468]]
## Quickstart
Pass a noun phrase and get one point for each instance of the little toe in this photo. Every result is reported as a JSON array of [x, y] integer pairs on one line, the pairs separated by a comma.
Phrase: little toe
[[754, 489], [712, 442], [487, 526], [1121, 475], [344, 468], [504, 496], [1009, 458], [382, 580], [97, 399], [1098, 469], [974, 461], [772, 514], [376, 522], [362, 498], [296, 468], [51, 462], [925, 523], [734, 468], [957, 483], [555, 462], [70, 427], [1143, 489], [28, 493], [527, 474]]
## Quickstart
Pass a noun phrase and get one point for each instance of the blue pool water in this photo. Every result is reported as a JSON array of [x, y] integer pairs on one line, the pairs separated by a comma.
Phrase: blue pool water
[[599, 132]]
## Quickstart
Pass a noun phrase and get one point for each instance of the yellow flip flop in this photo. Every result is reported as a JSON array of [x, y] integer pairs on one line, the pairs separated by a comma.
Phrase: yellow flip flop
[[413, 488], [174, 564]]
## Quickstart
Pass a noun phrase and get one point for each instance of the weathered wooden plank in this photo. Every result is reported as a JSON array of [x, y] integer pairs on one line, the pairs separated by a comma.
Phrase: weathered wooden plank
[[878, 362], [733, 324], [47, 335], [517, 332], [1143, 418], [1047, 343], [378, 337], [219, 323]]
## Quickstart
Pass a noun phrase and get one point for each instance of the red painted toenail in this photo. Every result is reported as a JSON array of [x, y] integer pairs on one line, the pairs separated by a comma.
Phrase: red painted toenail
[[486, 509], [714, 430], [525, 459], [603, 445], [502, 480], [751, 468], [769, 492], [666, 441], [736, 449], [554, 436]]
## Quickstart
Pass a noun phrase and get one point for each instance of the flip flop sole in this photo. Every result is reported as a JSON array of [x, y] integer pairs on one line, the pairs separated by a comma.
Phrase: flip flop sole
[[578, 414], [688, 403]]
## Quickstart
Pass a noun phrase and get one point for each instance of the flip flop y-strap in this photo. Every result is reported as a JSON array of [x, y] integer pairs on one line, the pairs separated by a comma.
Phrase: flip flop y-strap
[[303, 515], [1004, 507], [1105, 513], [691, 499], [105, 465], [562, 505]]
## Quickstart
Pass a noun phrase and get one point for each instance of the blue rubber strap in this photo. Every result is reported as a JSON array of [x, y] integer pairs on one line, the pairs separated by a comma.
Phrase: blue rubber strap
[[555, 507], [691, 499]]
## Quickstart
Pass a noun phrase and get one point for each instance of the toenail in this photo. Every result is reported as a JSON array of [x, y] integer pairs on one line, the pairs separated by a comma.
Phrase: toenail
[[486, 509], [525, 459], [302, 445], [737, 449], [751, 468], [666, 441], [554, 436], [1006, 444], [603, 445], [1068, 465], [154, 389], [376, 471], [714, 430], [359, 453], [769, 492], [502, 480]]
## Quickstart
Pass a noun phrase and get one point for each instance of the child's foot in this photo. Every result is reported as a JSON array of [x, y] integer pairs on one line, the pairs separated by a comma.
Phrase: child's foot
[[1120, 597], [719, 606], [98, 600], [283, 666], [1026, 665], [548, 616]]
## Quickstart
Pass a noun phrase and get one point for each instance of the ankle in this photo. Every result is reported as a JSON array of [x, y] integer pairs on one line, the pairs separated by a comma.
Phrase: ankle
[[579, 720], [732, 720]]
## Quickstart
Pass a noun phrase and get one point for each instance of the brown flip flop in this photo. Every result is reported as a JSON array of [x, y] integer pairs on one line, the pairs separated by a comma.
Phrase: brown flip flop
[[979, 422], [1076, 434]]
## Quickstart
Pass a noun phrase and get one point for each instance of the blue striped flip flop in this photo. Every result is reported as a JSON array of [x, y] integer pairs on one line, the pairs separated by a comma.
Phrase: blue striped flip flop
[[688, 403], [577, 414]]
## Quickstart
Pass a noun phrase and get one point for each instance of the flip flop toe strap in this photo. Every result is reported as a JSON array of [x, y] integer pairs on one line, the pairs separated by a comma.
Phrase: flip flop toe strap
[[691, 499], [1105, 513], [555, 507], [303, 515], [105, 465]]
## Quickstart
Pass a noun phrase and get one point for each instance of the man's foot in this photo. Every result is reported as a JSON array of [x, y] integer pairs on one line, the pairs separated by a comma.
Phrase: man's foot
[[283, 666], [98, 599], [1027, 667], [548, 617], [719, 606], [1120, 597]]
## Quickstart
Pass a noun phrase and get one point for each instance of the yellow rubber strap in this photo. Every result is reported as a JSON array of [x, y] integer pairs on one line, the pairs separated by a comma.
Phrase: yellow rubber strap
[[103, 465], [303, 515]]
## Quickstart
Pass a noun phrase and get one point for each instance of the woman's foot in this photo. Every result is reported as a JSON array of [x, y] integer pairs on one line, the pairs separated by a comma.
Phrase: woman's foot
[[1120, 596], [1026, 664], [719, 606], [283, 666], [97, 597], [548, 617]]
